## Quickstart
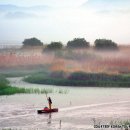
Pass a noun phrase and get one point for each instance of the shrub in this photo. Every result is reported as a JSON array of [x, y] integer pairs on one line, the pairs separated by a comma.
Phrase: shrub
[[105, 44], [78, 43]]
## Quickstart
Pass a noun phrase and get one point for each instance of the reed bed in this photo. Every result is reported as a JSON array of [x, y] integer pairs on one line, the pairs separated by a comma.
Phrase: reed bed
[[7, 89]]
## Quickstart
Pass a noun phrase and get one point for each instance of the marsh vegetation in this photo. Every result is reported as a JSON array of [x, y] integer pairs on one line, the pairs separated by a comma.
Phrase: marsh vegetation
[[7, 89], [80, 79]]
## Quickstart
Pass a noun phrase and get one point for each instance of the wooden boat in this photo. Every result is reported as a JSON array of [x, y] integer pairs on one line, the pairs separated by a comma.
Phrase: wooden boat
[[47, 110]]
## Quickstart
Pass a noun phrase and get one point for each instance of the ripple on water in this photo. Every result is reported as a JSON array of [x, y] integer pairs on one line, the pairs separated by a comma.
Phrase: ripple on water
[[80, 117]]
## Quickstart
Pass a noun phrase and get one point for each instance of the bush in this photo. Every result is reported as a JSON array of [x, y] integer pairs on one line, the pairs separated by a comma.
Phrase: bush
[[54, 46], [78, 43], [32, 42], [105, 44]]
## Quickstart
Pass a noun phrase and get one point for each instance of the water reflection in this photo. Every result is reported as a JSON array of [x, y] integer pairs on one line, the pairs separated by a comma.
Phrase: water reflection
[[49, 121], [49, 118]]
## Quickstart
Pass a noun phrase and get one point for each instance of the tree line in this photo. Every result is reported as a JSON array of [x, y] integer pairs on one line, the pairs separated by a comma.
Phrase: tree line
[[76, 43]]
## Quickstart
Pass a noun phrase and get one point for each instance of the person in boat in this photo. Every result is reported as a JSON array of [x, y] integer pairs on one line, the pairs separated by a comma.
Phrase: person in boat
[[46, 108], [49, 102]]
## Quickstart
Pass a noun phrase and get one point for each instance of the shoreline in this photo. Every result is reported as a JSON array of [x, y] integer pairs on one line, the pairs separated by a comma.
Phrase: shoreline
[[77, 83]]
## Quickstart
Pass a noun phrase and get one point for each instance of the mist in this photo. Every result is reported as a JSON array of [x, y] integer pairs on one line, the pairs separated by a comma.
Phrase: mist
[[86, 60]]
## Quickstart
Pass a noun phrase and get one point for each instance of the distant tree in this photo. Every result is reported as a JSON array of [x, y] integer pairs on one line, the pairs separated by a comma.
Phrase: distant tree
[[78, 43], [105, 44], [53, 46], [32, 42]]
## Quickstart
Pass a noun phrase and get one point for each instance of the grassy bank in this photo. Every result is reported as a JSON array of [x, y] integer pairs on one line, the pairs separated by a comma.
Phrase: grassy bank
[[81, 79], [6, 89]]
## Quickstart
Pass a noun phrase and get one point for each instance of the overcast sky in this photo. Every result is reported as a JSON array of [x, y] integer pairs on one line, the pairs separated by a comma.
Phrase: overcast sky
[[63, 20]]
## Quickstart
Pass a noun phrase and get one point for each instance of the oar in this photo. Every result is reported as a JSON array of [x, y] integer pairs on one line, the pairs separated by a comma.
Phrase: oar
[[46, 95]]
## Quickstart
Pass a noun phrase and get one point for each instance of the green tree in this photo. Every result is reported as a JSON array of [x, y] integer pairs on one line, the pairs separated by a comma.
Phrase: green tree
[[78, 43], [105, 44], [32, 42], [53, 46]]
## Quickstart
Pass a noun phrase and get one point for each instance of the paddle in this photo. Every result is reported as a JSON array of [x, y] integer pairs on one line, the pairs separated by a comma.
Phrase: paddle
[[46, 94]]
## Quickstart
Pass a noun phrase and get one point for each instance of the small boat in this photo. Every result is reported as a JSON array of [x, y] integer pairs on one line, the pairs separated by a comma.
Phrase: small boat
[[47, 110]]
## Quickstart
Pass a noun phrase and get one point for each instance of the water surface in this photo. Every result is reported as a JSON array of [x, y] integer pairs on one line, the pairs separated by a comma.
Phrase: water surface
[[79, 109]]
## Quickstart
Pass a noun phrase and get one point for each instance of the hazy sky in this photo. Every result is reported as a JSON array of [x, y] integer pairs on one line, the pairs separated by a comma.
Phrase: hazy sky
[[44, 2], [63, 20]]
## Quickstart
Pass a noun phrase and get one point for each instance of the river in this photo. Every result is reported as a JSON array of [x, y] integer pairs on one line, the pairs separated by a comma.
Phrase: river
[[79, 109]]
